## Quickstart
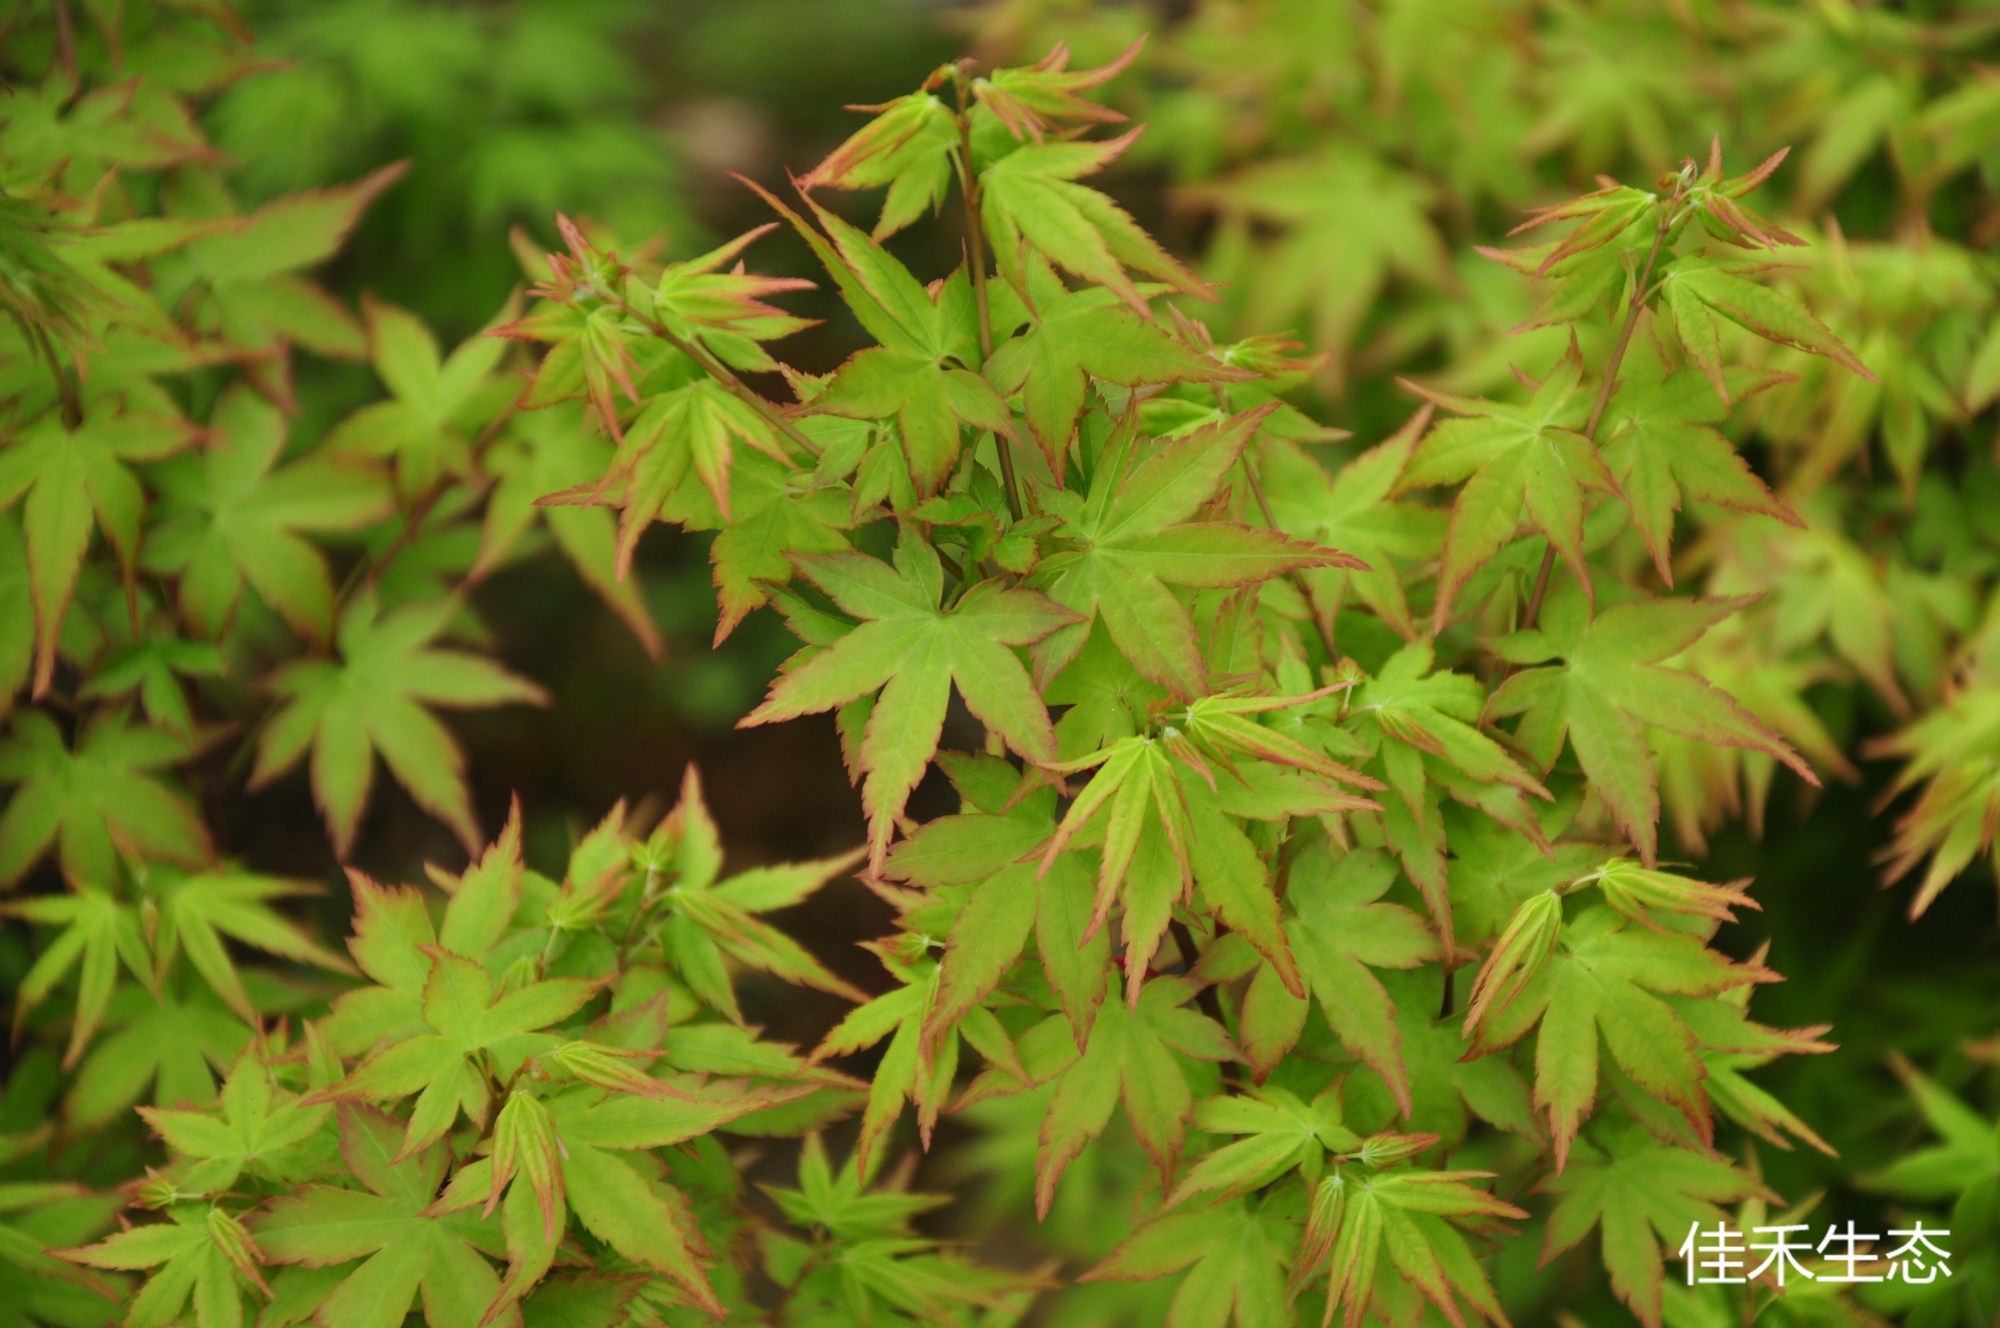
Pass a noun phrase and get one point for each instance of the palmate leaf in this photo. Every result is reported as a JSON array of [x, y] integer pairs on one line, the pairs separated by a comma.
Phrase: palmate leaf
[[1664, 448], [1956, 815], [230, 515], [589, 1152], [1276, 1131], [1767, 313], [98, 933], [197, 912], [713, 918], [437, 405], [202, 1258], [1131, 537], [914, 652], [1075, 337], [253, 1127], [548, 451], [152, 669], [1594, 979], [1428, 713], [175, 1040], [919, 374], [1342, 931], [909, 146], [383, 1230], [1350, 223], [981, 849], [91, 801], [1133, 1055], [1646, 1196], [1611, 684], [1350, 508], [1236, 1254], [77, 482], [245, 282], [373, 701], [395, 939], [776, 514], [1513, 460], [1029, 199], [471, 1031], [1393, 1238]]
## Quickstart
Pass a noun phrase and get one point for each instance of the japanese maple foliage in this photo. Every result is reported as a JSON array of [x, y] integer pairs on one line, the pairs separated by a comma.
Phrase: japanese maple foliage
[[1303, 919]]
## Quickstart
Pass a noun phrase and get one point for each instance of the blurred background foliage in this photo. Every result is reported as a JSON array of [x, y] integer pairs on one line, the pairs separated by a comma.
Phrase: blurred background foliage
[[1334, 164]]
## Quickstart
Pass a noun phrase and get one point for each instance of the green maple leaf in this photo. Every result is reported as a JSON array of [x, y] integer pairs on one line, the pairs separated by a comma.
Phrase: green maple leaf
[[1349, 224], [1599, 980], [1718, 288], [253, 1127], [693, 429], [909, 146], [1279, 1131], [172, 1039], [1422, 713], [591, 1153], [203, 1256], [196, 913], [231, 514], [1612, 684], [1643, 1194], [841, 1203], [1493, 868], [473, 1036], [1131, 537], [76, 482], [980, 851], [94, 799], [394, 939], [1236, 1255], [1074, 337], [775, 515], [1949, 754], [1392, 1239], [710, 919], [1350, 508], [1134, 1054], [373, 701], [1512, 460], [39, 1285], [547, 451], [918, 374], [1664, 448], [1029, 199], [385, 1230], [437, 405], [1446, 1090], [98, 932], [915, 652], [1964, 1165], [921, 1059], [244, 280], [151, 668], [1342, 931]]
